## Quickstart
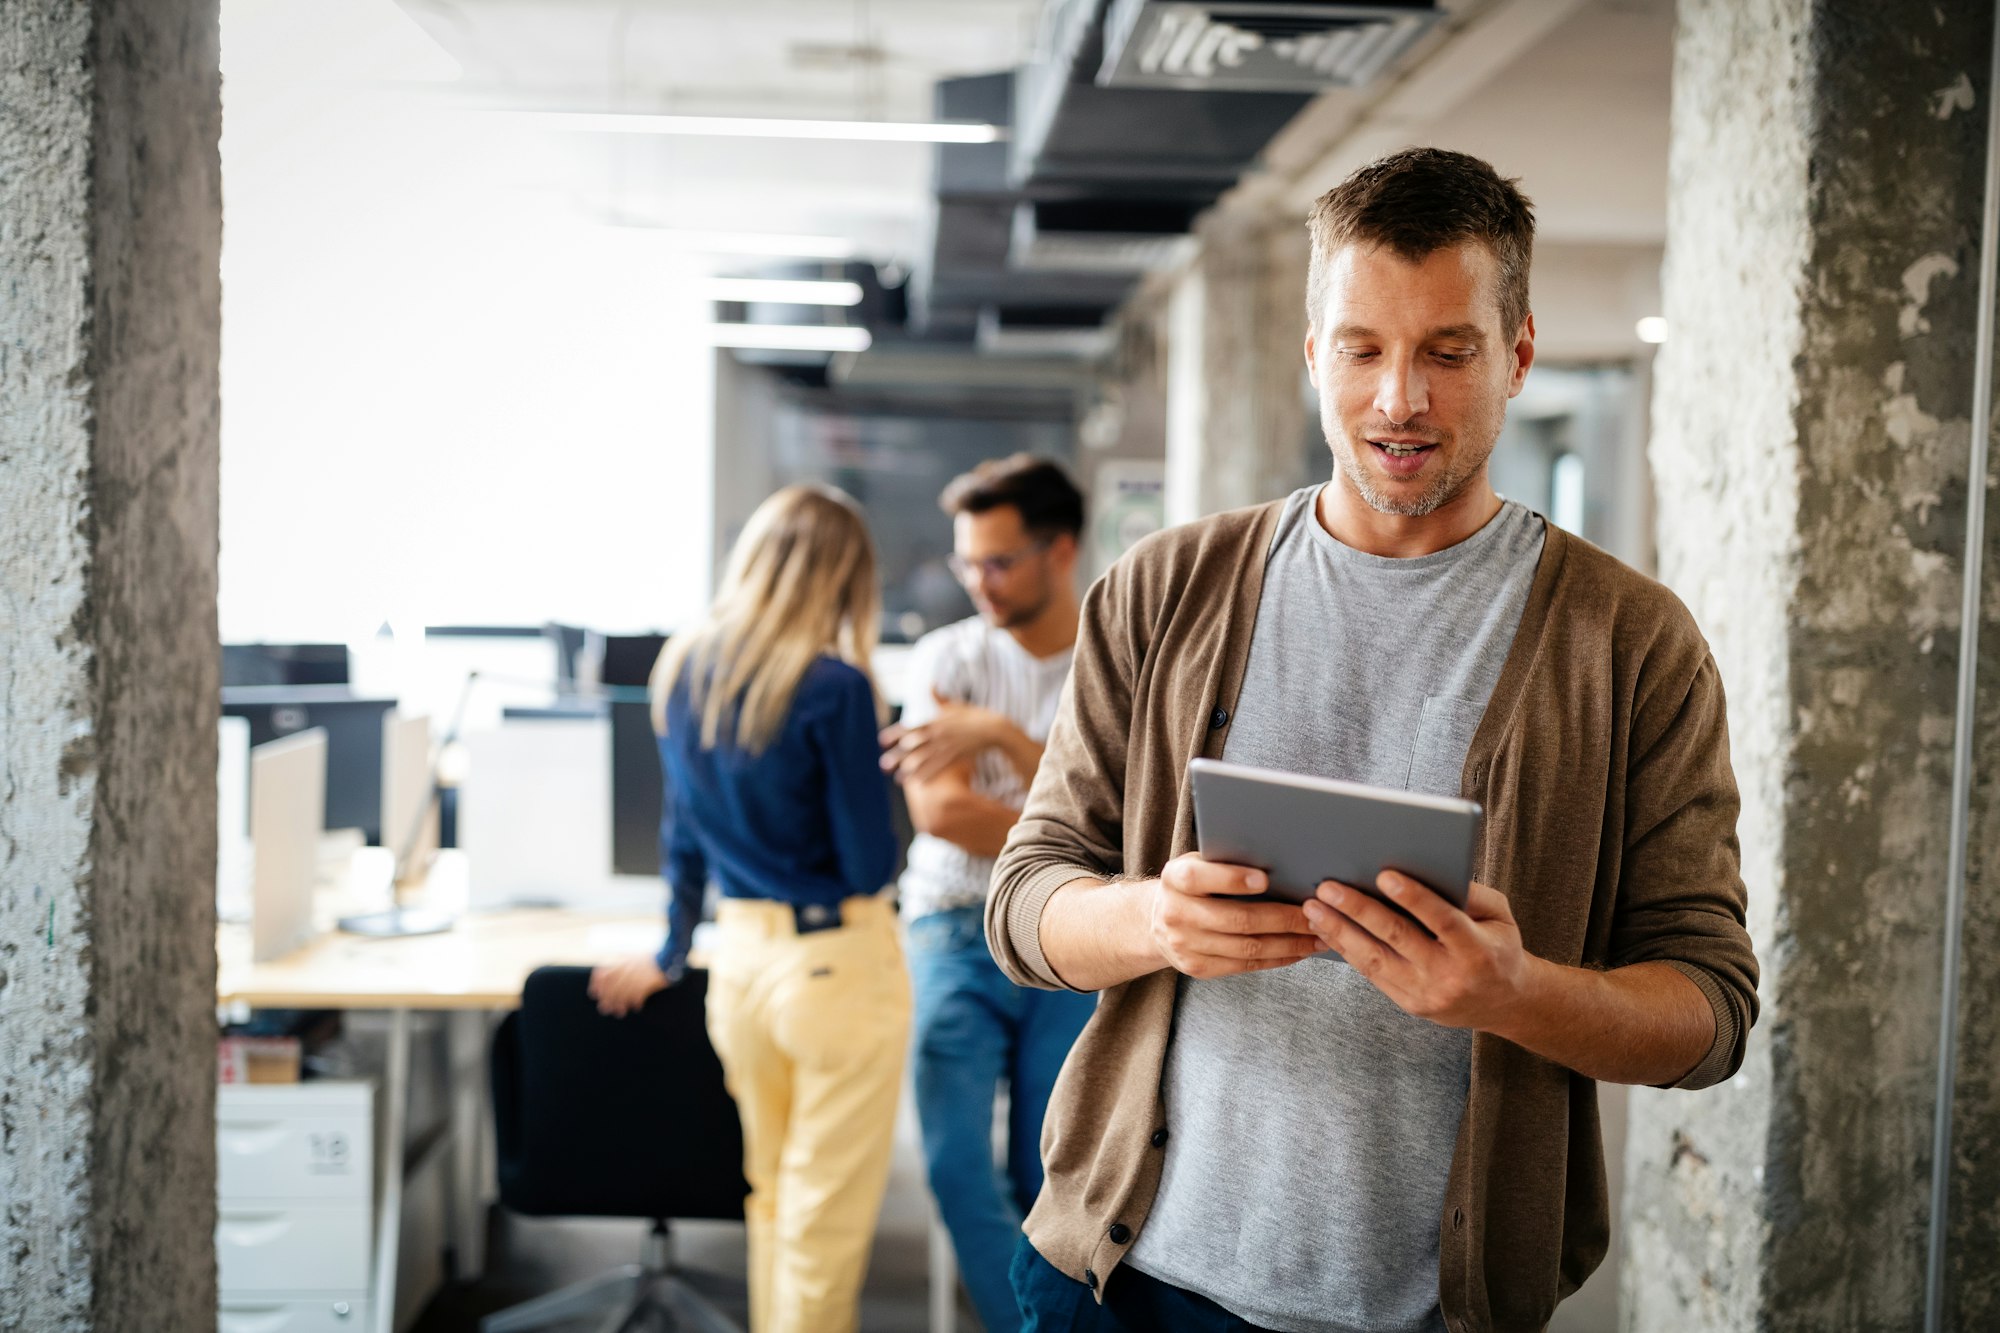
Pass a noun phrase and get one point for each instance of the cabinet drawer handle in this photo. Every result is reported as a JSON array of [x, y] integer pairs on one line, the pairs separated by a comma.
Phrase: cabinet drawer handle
[[272, 1320], [246, 1232], [251, 1140]]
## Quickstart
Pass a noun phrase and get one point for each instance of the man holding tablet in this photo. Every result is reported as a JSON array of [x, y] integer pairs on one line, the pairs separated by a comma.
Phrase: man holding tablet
[[1407, 1140]]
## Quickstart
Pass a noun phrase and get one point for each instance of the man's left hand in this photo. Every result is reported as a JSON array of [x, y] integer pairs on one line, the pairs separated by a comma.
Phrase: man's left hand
[[1460, 969], [957, 733]]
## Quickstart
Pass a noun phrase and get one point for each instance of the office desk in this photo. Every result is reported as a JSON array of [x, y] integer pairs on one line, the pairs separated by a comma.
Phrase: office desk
[[477, 967], [479, 964]]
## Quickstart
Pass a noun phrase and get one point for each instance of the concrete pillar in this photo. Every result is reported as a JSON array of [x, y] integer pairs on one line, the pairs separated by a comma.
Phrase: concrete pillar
[[1236, 415], [110, 235], [1810, 448]]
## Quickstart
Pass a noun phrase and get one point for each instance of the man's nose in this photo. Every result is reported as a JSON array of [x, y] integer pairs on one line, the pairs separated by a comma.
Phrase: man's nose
[[1401, 393]]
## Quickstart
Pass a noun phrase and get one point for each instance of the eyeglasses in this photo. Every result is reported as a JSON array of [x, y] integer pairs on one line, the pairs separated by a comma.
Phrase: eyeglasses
[[992, 566]]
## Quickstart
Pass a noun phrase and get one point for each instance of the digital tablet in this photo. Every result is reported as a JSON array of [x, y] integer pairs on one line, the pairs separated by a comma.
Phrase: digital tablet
[[1302, 830]]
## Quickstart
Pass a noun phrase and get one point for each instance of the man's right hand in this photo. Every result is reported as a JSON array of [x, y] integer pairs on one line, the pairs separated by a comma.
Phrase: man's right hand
[[1200, 926]]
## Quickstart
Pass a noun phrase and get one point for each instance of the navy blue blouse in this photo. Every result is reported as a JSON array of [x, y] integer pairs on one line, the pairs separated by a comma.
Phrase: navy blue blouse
[[806, 821]]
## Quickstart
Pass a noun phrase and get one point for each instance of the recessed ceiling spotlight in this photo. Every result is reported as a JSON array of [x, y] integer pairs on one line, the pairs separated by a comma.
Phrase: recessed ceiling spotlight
[[1651, 329]]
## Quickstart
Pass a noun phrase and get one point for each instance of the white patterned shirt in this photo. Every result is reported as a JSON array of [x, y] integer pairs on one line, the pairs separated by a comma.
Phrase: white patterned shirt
[[975, 663]]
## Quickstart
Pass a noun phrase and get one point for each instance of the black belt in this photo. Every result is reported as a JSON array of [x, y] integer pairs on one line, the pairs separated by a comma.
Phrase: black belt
[[808, 918]]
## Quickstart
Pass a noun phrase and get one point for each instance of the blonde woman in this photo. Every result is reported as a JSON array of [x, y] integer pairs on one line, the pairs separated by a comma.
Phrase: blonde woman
[[767, 715]]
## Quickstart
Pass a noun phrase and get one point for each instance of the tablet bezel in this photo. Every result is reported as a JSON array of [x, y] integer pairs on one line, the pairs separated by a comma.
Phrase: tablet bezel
[[1426, 832]]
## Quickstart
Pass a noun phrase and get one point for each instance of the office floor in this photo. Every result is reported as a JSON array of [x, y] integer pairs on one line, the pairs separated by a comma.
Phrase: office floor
[[528, 1256]]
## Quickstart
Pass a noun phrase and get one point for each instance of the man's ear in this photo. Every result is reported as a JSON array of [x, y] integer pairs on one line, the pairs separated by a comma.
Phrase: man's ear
[[1524, 354], [1066, 546]]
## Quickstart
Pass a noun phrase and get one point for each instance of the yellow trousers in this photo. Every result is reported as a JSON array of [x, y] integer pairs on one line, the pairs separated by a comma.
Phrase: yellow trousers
[[812, 1031]]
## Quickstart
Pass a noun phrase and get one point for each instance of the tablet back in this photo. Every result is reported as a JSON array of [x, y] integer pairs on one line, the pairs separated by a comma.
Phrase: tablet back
[[1302, 830]]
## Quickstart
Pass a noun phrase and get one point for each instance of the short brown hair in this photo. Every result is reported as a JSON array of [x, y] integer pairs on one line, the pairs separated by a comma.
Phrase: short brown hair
[[1419, 201], [1048, 500]]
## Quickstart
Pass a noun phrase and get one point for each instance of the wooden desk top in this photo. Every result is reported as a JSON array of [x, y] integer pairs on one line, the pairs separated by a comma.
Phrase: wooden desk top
[[480, 963]]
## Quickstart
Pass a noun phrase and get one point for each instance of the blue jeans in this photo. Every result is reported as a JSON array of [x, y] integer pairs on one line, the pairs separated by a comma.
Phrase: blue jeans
[[973, 1029], [1054, 1302]]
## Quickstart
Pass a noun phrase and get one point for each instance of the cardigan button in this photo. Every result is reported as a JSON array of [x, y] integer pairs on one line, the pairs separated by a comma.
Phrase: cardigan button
[[1159, 1139], [1218, 719], [1090, 1278], [1119, 1233]]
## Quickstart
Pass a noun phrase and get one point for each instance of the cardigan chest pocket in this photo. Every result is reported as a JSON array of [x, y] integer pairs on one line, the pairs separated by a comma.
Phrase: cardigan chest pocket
[[1444, 735]]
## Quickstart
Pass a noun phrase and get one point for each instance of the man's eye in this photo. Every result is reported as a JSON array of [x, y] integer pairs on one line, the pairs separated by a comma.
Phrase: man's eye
[[1357, 353], [1453, 358]]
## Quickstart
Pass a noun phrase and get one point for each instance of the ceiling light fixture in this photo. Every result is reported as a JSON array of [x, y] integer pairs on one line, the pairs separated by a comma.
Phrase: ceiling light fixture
[[789, 337], [1651, 329], [784, 291], [758, 127], [741, 242]]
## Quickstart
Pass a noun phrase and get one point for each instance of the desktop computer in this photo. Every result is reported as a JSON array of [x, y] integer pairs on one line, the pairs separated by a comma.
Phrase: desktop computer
[[637, 787], [533, 809], [287, 796], [285, 664], [352, 724], [232, 819], [409, 810]]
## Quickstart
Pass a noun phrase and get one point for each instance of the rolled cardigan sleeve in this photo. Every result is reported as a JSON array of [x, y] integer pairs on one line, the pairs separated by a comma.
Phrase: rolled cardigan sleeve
[[1682, 898], [1073, 824]]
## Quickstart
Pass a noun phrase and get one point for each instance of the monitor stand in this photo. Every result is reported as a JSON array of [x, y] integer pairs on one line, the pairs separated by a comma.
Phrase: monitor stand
[[399, 921]]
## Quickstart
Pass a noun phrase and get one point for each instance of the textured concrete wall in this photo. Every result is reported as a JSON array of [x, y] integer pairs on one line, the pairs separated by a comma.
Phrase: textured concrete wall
[[1235, 329], [110, 230], [1810, 443]]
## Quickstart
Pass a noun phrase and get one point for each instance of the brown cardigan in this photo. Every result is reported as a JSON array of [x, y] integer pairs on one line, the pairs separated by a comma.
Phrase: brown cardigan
[[1603, 764]]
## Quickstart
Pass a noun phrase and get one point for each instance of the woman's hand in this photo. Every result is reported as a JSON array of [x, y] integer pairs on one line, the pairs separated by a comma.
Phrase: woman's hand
[[620, 988]]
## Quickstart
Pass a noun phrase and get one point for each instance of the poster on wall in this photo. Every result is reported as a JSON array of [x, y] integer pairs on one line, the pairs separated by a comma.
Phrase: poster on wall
[[1131, 495]]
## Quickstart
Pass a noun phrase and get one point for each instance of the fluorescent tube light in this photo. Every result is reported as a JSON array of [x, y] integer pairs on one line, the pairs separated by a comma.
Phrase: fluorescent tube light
[[789, 337], [784, 291], [747, 127], [743, 242]]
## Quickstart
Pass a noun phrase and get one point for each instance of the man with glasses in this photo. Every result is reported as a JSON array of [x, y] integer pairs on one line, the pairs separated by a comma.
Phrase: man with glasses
[[979, 700]]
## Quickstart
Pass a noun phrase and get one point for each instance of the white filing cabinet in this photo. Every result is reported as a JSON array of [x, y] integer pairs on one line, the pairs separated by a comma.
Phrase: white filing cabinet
[[295, 1171]]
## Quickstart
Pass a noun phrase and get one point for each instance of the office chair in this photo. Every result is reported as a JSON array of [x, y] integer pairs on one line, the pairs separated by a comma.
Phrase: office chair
[[614, 1117]]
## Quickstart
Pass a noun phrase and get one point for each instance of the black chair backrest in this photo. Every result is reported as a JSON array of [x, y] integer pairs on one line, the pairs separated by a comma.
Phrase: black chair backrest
[[613, 1117]]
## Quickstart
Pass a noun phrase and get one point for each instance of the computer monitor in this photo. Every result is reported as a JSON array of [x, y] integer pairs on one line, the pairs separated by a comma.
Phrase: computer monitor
[[579, 656], [637, 787], [285, 664], [628, 658], [232, 819], [409, 814], [353, 727], [533, 814], [287, 796]]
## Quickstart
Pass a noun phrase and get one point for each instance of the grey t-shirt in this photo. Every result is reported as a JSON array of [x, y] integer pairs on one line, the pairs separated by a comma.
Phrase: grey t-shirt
[[1313, 1122]]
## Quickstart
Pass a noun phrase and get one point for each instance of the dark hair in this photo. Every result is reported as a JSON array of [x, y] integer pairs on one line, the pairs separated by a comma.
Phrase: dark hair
[[1419, 201], [1048, 500]]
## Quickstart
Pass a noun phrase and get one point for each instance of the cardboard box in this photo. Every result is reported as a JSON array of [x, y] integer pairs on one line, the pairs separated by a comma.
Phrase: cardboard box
[[257, 1060]]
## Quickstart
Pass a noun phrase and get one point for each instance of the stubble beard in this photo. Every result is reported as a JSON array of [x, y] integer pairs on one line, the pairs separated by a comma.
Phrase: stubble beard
[[1458, 471], [1013, 617]]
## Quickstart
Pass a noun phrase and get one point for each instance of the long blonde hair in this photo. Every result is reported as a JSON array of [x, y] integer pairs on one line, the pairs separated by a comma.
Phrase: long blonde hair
[[800, 583]]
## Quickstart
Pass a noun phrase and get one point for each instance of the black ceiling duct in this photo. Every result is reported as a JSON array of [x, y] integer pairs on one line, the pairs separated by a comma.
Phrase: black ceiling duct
[[1247, 46], [1067, 129]]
